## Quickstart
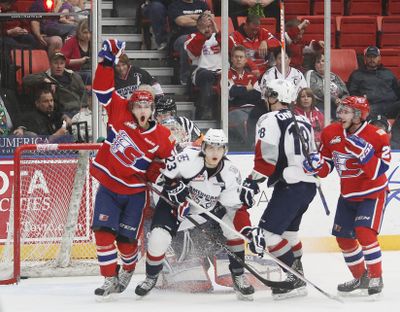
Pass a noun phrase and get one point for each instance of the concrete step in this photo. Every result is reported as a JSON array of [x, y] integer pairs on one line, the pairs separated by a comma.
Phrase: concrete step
[[118, 21], [186, 109], [204, 125], [146, 54], [123, 37], [106, 5], [160, 71], [174, 89]]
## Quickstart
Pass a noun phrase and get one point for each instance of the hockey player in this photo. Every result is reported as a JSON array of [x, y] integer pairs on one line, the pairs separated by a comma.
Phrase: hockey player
[[209, 178], [360, 152], [133, 142], [279, 156]]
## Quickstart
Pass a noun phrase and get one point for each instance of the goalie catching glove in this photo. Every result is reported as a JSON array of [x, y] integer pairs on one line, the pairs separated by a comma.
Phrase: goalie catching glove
[[359, 148], [257, 241], [111, 50]]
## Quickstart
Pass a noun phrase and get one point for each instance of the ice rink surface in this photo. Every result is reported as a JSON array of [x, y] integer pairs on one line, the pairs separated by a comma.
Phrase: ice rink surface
[[326, 270]]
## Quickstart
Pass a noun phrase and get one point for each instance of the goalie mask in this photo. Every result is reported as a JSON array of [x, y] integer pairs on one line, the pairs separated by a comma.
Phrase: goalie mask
[[283, 90]]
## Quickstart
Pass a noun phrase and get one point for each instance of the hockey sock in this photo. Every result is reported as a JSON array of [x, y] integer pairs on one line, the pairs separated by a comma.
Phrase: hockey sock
[[128, 253], [106, 253], [236, 246], [353, 255], [158, 243], [283, 252], [371, 250], [297, 250], [293, 238]]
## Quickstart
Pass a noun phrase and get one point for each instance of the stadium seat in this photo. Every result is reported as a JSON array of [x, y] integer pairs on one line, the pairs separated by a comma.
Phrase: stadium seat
[[391, 60], [28, 62], [356, 32], [210, 5], [337, 7], [269, 23], [364, 7], [231, 29], [393, 7], [343, 62], [297, 7], [316, 29], [389, 31]]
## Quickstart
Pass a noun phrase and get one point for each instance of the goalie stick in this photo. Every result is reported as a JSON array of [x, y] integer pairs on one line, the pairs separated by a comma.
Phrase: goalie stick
[[277, 260], [266, 282], [306, 153]]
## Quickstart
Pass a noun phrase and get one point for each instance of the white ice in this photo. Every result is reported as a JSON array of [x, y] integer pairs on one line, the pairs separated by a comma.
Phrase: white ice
[[325, 270]]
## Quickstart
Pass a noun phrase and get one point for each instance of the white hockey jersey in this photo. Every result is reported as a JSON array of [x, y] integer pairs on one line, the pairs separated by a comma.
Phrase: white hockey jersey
[[278, 152]]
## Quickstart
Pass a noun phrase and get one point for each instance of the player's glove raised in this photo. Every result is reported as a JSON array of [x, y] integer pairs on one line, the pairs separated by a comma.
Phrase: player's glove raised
[[257, 241], [359, 148], [249, 189], [177, 192], [312, 165], [111, 50]]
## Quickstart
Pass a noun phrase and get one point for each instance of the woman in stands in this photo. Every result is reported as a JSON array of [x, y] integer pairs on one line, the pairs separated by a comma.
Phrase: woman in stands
[[315, 80]]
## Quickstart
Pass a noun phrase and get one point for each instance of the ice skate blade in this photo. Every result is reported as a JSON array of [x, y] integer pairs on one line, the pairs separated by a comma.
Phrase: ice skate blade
[[242, 297], [354, 293], [298, 292], [375, 297], [109, 298]]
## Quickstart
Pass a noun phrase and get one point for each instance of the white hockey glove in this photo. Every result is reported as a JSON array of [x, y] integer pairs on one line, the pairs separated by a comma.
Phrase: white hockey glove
[[249, 189], [257, 244], [359, 148], [314, 164]]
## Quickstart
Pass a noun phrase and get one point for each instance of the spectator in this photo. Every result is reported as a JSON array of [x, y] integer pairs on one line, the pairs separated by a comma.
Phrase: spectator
[[156, 11], [68, 7], [292, 74], [306, 106], [77, 51], [68, 88], [183, 15], [377, 83], [16, 32], [257, 40], [128, 78], [44, 119], [315, 80], [9, 112], [301, 50], [204, 48]]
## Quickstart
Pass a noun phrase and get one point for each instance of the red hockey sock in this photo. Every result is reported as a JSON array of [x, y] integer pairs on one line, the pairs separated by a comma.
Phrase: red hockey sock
[[353, 255], [106, 253], [297, 250], [129, 254], [368, 239]]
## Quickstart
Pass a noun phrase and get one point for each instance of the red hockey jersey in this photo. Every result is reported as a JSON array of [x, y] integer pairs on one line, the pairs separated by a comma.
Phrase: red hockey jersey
[[122, 162], [357, 181]]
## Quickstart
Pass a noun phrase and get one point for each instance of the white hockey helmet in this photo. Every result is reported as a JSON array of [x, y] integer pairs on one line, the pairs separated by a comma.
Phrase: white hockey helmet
[[283, 90], [215, 137]]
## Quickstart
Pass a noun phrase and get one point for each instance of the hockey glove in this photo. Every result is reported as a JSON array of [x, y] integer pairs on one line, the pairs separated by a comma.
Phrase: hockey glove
[[257, 241], [182, 211], [177, 193], [111, 50], [359, 148], [312, 165], [249, 189]]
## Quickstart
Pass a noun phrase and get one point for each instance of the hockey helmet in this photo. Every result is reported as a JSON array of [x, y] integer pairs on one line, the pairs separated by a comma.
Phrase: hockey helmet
[[215, 137], [165, 104], [283, 90], [141, 97], [380, 121], [360, 105]]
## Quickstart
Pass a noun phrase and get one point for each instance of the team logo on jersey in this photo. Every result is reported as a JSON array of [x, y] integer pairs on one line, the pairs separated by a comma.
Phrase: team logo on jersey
[[200, 177], [103, 217], [337, 139], [125, 150], [131, 124], [346, 165]]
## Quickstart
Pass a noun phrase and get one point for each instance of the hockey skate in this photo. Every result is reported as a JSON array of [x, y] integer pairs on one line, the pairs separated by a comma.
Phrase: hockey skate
[[110, 286], [356, 287], [375, 286], [299, 288], [144, 287], [124, 278], [298, 266], [244, 291]]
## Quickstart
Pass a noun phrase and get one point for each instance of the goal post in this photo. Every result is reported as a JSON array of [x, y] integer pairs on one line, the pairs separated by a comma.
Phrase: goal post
[[48, 228]]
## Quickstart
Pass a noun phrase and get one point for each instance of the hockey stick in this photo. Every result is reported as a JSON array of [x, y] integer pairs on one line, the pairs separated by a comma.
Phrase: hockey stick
[[266, 282], [283, 43], [277, 260], [306, 153]]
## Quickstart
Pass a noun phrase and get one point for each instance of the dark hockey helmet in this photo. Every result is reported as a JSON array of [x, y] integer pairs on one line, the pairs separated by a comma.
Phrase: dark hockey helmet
[[141, 97], [165, 104], [380, 121], [360, 105]]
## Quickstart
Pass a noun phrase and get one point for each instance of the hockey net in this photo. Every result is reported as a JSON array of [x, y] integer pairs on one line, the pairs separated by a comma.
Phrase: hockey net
[[48, 229]]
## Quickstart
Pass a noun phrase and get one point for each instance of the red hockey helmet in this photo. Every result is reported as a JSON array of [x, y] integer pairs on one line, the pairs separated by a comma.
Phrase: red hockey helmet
[[360, 105], [141, 97]]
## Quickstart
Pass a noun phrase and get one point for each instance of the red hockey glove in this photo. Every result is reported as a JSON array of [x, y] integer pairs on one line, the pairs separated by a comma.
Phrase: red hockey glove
[[312, 165], [112, 49]]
